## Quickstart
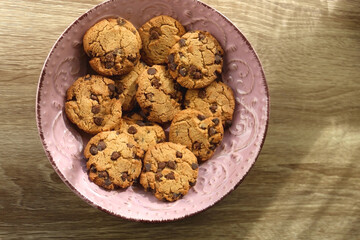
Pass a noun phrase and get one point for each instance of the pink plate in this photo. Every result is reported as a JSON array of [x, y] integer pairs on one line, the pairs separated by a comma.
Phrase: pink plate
[[220, 175]]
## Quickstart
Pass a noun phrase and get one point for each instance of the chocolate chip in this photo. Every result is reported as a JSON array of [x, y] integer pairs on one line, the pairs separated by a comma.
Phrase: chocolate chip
[[161, 165], [132, 58], [155, 33], [93, 169], [171, 58], [121, 21], [95, 109], [103, 174], [156, 83], [213, 108], [147, 167], [179, 154], [170, 176], [201, 117], [93, 149], [98, 120], [119, 88], [115, 156], [94, 97], [218, 59], [111, 87], [183, 71], [87, 77], [201, 36], [158, 176], [149, 96], [101, 145], [202, 94], [196, 145], [212, 131], [124, 176], [176, 195], [109, 65], [140, 123], [216, 121], [197, 75], [151, 71], [182, 42], [192, 183], [129, 145], [107, 182], [194, 166], [132, 130], [228, 123], [173, 66], [73, 98], [171, 164], [212, 147]]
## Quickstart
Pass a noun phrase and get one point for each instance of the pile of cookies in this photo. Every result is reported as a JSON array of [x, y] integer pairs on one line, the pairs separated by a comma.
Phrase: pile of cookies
[[145, 79]]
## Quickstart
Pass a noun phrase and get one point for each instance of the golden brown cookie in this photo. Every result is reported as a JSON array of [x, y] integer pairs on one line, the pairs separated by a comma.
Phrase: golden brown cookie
[[196, 60], [158, 35], [146, 134], [92, 104], [114, 160], [169, 171], [127, 86], [113, 44], [158, 95], [215, 100], [197, 132]]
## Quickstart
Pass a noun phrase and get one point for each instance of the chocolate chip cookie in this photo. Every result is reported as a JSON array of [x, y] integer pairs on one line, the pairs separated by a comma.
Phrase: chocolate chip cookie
[[92, 104], [196, 60], [158, 95], [158, 35], [127, 86], [197, 132], [216, 100], [113, 44], [145, 133], [114, 160], [169, 171]]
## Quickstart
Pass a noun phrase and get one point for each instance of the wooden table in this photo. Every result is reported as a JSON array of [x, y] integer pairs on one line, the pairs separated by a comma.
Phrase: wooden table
[[306, 182]]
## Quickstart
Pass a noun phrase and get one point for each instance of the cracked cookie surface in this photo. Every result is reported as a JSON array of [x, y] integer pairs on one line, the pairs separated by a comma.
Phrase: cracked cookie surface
[[196, 60], [127, 87], [146, 134], [113, 44], [158, 35], [197, 132], [114, 160], [169, 171], [216, 100], [158, 95], [92, 104]]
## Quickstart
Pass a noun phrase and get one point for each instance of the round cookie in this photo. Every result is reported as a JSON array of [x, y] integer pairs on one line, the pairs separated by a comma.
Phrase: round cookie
[[113, 44], [114, 160], [146, 134], [158, 35], [158, 95], [92, 104], [127, 86], [196, 60], [215, 100], [197, 132], [169, 171]]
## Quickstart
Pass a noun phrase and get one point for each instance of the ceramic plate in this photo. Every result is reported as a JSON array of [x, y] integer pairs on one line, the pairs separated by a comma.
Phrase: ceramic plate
[[242, 143]]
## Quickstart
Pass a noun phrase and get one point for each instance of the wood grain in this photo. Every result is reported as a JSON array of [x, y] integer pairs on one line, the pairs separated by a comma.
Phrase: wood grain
[[306, 182]]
